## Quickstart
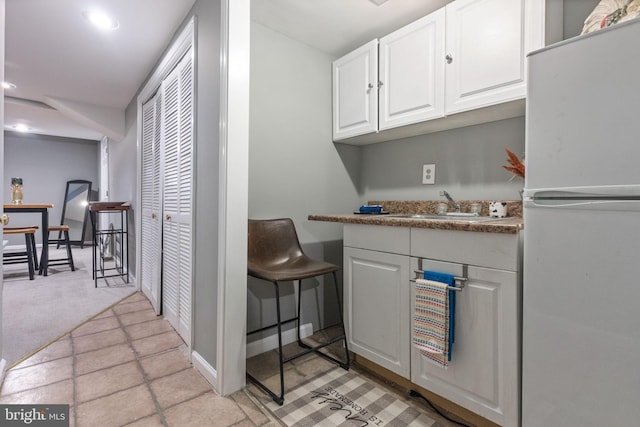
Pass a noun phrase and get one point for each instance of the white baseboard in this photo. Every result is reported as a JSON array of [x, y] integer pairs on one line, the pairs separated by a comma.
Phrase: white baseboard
[[207, 371], [253, 349], [269, 343]]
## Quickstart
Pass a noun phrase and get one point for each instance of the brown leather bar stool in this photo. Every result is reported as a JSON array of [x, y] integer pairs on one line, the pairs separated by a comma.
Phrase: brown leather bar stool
[[26, 256], [63, 230], [275, 255]]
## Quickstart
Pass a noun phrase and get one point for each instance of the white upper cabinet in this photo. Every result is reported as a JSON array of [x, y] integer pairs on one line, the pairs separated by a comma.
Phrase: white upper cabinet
[[485, 53], [355, 92], [411, 72], [463, 64]]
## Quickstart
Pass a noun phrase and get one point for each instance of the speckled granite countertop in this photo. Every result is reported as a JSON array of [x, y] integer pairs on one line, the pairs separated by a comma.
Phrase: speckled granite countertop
[[510, 225]]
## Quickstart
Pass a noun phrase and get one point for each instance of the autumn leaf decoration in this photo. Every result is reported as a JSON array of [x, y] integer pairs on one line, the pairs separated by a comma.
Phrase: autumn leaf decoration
[[516, 166]]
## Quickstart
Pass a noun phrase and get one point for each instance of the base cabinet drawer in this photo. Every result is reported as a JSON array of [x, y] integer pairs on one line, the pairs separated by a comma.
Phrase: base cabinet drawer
[[376, 307]]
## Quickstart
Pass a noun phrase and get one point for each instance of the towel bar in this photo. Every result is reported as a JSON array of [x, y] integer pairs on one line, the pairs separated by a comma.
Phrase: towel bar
[[460, 281]]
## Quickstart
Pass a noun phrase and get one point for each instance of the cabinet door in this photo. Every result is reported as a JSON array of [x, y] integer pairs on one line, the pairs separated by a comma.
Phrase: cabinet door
[[412, 72], [355, 92], [485, 51], [151, 227], [376, 299], [483, 375]]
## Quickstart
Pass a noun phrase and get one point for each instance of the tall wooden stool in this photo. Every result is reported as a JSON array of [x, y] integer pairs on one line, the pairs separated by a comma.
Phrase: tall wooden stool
[[26, 256], [63, 230]]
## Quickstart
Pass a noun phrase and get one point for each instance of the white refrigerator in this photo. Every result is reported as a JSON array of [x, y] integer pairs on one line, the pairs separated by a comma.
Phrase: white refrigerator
[[581, 290]]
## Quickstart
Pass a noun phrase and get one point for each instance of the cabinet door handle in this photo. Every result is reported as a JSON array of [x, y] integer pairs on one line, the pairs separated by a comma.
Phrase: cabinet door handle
[[449, 58]]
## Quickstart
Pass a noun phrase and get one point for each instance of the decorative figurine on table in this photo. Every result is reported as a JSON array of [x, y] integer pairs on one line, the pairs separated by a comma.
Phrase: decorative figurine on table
[[16, 191]]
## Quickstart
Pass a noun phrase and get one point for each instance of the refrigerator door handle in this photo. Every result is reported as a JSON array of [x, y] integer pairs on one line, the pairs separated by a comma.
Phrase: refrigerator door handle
[[605, 192], [561, 199]]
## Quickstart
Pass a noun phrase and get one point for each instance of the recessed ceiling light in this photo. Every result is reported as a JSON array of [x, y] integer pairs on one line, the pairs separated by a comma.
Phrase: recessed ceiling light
[[21, 128], [101, 20], [8, 85]]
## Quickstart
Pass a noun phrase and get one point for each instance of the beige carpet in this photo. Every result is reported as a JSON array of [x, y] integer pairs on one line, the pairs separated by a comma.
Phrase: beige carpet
[[34, 312]]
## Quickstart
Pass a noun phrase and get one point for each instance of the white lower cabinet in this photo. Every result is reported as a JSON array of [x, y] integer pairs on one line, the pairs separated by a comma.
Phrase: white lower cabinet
[[377, 296], [482, 375], [379, 268]]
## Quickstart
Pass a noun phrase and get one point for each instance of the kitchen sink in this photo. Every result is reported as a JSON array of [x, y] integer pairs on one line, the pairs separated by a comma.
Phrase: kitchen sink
[[449, 216]]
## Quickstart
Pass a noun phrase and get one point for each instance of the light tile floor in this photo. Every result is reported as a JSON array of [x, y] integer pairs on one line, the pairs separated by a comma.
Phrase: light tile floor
[[128, 367]]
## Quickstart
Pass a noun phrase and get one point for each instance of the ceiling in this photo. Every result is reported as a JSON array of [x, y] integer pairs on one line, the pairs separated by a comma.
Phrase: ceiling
[[339, 26], [75, 81], [67, 72]]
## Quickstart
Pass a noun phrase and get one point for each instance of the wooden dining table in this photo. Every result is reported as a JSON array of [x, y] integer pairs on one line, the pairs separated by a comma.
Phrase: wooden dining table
[[43, 210]]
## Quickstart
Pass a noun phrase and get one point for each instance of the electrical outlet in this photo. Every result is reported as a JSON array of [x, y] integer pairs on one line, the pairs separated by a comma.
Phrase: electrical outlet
[[429, 174]]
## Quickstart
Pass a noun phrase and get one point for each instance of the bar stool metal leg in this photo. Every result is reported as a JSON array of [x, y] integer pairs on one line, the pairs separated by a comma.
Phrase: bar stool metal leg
[[29, 255], [279, 399], [343, 337], [32, 238], [68, 247]]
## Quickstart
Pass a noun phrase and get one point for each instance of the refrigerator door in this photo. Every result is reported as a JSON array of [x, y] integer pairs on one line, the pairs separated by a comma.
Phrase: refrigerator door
[[582, 122], [581, 314]]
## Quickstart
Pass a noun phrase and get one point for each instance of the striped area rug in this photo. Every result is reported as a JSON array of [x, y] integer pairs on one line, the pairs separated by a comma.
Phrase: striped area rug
[[344, 398]]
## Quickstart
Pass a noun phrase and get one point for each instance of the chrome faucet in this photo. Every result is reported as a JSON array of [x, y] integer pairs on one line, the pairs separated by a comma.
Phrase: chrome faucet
[[452, 202]]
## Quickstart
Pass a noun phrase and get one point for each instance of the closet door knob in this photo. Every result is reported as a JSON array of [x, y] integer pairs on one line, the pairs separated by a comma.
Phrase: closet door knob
[[167, 217], [154, 216], [449, 58]]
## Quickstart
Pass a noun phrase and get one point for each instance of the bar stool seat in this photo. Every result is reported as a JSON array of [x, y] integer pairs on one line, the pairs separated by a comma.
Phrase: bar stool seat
[[275, 255], [63, 239], [28, 255]]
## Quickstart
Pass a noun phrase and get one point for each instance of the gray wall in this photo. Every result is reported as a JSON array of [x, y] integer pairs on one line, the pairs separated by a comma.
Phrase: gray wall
[[205, 297], [122, 175], [468, 164], [575, 13], [122, 158], [294, 167], [46, 163]]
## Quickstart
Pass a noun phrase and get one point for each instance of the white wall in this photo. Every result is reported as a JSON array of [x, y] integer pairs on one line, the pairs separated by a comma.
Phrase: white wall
[[294, 167]]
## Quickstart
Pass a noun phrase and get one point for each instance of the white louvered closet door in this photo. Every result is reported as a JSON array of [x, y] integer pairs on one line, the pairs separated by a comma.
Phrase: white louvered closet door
[[151, 227], [177, 234]]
